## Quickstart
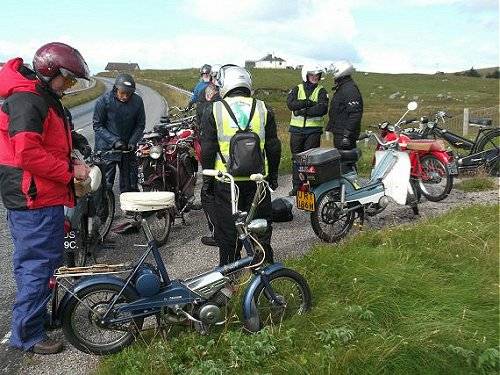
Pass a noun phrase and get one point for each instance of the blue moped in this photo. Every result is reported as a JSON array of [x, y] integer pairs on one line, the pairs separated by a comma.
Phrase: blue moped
[[102, 313], [331, 191]]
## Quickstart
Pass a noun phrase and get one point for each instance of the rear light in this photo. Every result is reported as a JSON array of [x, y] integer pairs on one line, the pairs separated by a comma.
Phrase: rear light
[[304, 187], [67, 225], [311, 169], [52, 282]]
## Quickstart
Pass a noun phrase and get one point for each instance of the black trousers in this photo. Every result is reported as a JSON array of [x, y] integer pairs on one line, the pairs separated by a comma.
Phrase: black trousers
[[128, 173], [301, 142], [207, 202], [225, 233]]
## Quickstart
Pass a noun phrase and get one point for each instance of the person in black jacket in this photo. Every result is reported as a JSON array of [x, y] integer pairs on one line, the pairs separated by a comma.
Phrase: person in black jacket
[[308, 102], [216, 128], [119, 121], [346, 107]]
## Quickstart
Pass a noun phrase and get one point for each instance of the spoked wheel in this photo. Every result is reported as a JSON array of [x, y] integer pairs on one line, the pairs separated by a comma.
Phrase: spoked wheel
[[82, 326], [81, 252], [330, 221], [491, 142], [106, 213], [435, 182], [292, 296], [160, 222]]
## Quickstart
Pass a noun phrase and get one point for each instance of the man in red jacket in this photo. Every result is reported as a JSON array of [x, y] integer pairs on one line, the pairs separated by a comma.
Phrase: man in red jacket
[[36, 180]]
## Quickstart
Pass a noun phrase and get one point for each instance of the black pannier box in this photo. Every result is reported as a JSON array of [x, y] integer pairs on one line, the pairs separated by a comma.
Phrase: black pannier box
[[325, 160]]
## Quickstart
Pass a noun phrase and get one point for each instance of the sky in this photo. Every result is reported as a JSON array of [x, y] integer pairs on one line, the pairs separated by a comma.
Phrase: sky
[[419, 36]]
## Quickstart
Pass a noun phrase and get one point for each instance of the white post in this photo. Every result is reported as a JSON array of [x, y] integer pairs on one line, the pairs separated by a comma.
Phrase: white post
[[465, 127]]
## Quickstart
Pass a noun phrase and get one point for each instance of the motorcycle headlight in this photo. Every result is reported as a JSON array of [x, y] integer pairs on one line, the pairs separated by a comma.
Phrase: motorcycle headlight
[[155, 152]]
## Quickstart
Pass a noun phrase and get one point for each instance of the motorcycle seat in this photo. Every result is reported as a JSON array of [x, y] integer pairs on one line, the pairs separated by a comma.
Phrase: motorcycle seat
[[147, 201], [426, 145], [351, 156]]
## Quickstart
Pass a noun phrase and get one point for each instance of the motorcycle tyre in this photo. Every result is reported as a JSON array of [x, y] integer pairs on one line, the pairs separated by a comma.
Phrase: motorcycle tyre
[[73, 338], [483, 142], [449, 181], [316, 224]]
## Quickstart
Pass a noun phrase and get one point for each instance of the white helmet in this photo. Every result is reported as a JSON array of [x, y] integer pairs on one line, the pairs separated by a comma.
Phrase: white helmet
[[231, 77], [215, 70], [341, 68], [311, 69]]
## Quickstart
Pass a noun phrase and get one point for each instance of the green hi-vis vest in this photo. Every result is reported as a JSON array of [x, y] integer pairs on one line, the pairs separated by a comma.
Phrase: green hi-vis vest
[[309, 122], [226, 127]]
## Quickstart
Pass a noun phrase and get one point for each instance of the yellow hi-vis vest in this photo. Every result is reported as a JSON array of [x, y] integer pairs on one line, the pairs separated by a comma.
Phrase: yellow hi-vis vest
[[226, 127], [308, 122]]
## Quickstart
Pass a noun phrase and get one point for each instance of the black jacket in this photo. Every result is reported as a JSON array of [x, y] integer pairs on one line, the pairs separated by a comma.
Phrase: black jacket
[[210, 143], [310, 108], [346, 109]]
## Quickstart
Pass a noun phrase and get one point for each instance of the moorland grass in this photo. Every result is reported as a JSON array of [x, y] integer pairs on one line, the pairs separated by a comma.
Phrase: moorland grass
[[410, 299]]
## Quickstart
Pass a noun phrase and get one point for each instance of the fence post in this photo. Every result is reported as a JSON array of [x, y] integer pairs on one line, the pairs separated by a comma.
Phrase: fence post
[[465, 128]]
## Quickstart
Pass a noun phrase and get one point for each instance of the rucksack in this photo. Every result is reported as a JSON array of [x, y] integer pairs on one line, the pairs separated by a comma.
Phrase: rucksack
[[281, 210], [245, 155]]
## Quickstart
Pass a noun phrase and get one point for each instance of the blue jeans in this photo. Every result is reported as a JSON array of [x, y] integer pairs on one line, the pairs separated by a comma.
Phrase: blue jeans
[[38, 237]]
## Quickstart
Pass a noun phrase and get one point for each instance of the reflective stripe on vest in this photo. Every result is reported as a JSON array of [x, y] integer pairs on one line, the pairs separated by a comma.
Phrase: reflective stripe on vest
[[309, 122], [226, 127]]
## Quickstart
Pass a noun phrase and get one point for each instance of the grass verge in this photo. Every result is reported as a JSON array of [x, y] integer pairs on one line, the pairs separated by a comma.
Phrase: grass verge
[[84, 96], [477, 183], [411, 299]]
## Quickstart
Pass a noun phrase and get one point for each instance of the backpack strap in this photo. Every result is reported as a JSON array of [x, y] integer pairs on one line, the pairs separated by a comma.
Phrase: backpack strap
[[233, 117]]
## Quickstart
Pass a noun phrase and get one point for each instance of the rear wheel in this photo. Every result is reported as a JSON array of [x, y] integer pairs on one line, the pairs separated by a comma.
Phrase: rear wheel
[[82, 325], [435, 182], [330, 221], [81, 252], [491, 142], [106, 213], [160, 222]]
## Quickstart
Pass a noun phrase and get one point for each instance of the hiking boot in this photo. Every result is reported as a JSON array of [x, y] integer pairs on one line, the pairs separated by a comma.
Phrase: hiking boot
[[47, 346], [208, 241]]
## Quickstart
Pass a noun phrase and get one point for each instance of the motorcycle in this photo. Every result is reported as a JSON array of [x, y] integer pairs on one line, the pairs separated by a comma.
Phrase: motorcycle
[[168, 161], [331, 192], [102, 313], [88, 223], [483, 151], [432, 166]]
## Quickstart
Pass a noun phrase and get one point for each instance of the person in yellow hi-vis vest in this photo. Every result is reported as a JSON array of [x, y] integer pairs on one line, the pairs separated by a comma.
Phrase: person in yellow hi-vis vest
[[238, 111], [308, 102]]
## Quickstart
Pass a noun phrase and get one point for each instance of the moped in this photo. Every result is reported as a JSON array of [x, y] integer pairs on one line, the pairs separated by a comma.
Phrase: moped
[[330, 189], [102, 313]]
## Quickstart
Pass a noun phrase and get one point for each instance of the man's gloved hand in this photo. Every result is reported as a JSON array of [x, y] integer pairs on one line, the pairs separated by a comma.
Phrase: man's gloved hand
[[86, 151], [300, 112], [308, 103], [120, 145]]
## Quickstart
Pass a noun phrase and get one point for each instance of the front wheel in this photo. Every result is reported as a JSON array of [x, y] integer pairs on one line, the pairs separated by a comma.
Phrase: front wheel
[[160, 222], [286, 295], [82, 325], [490, 142], [330, 221], [435, 181]]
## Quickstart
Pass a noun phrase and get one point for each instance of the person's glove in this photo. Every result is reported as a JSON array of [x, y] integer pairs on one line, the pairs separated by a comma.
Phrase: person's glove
[[120, 145], [346, 143], [273, 184], [300, 112], [86, 151], [131, 148]]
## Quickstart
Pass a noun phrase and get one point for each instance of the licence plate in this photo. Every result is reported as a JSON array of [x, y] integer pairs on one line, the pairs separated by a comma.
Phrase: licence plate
[[305, 201], [453, 168]]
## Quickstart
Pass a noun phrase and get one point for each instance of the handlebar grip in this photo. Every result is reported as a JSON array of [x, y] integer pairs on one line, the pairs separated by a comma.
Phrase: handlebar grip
[[256, 177], [211, 172]]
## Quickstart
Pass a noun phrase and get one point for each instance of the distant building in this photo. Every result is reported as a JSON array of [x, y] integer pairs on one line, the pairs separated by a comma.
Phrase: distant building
[[122, 67], [267, 62]]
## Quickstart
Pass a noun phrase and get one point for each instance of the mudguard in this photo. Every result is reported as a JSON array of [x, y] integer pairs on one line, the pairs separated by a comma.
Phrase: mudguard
[[89, 281], [250, 315]]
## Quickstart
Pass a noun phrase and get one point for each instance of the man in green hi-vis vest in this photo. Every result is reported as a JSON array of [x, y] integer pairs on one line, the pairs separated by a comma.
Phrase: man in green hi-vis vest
[[308, 102], [217, 129]]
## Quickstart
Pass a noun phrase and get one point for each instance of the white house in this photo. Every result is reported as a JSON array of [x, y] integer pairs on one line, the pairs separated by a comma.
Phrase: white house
[[271, 61]]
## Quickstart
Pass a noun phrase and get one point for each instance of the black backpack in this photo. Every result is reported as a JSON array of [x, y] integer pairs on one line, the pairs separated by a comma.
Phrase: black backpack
[[245, 155]]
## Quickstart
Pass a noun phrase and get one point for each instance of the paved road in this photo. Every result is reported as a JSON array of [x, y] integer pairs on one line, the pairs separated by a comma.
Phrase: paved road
[[10, 361]]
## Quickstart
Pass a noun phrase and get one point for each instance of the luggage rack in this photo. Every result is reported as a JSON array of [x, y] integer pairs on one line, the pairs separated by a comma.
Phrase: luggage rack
[[96, 269]]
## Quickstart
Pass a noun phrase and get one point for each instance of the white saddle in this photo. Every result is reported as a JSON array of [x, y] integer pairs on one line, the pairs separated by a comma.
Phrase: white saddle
[[147, 201]]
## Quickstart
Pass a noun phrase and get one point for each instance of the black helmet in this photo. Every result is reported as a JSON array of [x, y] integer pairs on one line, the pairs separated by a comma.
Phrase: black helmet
[[205, 69], [125, 82]]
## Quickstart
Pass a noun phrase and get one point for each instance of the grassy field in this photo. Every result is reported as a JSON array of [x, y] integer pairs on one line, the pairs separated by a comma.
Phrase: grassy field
[[432, 92], [84, 96], [413, 299]]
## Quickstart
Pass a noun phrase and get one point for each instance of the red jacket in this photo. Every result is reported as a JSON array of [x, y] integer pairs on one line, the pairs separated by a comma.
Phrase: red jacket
[[35, 143]]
